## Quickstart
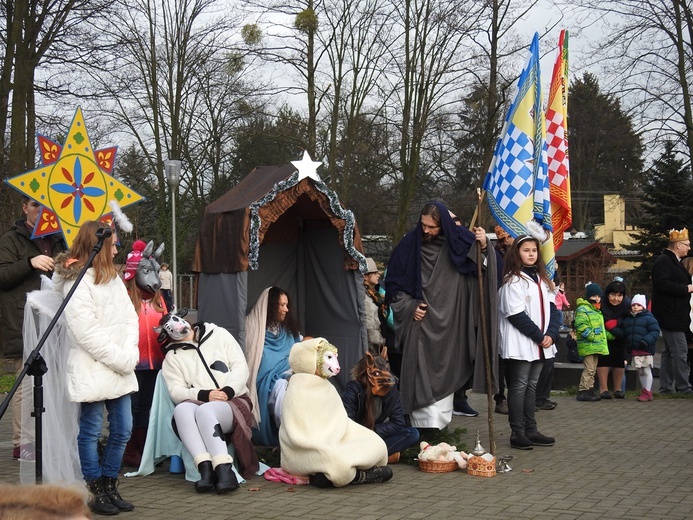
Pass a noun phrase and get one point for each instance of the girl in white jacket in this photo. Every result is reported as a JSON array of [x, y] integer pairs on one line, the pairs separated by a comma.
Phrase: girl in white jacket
[[103, 331], [529, 324]]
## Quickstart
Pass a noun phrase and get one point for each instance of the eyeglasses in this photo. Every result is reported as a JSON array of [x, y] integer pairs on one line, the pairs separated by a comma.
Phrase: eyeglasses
[[685, 244]]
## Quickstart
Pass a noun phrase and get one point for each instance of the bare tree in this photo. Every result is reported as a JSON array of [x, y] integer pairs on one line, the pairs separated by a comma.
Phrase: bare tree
[[288, 30], [648, 51], [423, 80], [356, 39], [178, 87], [43, 37]]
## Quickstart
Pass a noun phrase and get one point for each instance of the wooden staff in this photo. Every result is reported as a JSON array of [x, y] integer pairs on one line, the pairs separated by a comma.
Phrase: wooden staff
[[484, 335], [477, 211]]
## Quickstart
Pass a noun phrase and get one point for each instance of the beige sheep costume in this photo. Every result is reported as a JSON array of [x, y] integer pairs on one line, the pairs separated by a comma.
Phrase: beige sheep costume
[[316, 435]]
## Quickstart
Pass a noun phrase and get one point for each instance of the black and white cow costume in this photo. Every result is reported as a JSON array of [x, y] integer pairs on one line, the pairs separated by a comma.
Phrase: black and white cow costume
[[206, 374]]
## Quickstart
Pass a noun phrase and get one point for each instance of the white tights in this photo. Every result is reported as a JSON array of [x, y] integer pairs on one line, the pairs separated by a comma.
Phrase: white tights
[[645, 374], [197, 429]]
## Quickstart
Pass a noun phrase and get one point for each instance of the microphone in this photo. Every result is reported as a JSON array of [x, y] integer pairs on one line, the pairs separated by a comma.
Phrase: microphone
[[103, 233]]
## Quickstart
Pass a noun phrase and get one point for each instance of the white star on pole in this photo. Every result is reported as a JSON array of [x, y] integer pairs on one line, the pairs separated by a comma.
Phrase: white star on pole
[[307, 167]]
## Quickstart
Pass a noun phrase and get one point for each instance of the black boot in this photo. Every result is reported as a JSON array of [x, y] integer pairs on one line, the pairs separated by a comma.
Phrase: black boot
[[99, 502], [110, 486], [320, 480], [226, 478], [376, 474], [520, 441], [206, 481], [539, 439]]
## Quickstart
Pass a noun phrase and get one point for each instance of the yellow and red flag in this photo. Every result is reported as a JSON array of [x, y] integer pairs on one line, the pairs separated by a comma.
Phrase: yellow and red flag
[[557, 144]]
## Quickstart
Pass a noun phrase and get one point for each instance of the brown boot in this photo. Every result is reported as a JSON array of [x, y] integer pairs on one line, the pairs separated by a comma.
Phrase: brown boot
[[394, 458], [135, 446]]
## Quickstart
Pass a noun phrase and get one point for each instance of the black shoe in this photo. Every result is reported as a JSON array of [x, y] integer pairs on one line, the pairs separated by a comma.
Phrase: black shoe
[[374, 475], [546, 405], [99, 502], [605, 394], [110, 486], [587, 395], [206, 482], [519, 440], [465, 409], [540, 440], [226, 478], [319, 480], [619, 394]]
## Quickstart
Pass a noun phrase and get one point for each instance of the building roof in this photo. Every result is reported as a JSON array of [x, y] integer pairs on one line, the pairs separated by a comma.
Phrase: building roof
[[575, 247]]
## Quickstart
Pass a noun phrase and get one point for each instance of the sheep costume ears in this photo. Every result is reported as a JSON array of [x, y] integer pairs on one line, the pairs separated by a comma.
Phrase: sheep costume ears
[[314, 356]]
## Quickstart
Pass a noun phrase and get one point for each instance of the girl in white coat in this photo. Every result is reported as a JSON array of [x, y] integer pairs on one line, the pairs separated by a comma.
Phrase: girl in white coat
[[103, 331], [529, 324]]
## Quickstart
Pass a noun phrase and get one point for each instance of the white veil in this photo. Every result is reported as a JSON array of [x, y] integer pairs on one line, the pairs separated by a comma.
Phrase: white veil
[[60, 419]]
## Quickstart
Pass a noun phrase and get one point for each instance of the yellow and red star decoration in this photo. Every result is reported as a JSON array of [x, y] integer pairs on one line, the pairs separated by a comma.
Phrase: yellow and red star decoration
[[74, 183]]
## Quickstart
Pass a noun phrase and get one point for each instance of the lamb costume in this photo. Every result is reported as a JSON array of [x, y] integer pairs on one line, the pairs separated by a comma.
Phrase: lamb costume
[[316, 435]]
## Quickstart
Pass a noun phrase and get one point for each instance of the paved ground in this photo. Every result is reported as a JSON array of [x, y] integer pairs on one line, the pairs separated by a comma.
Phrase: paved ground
[[612, 459]]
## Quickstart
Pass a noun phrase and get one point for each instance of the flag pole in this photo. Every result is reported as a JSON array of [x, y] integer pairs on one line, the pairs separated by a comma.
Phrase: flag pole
[[484, 334]]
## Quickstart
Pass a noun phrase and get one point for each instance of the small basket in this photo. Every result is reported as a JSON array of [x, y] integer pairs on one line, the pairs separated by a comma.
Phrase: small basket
[[437, 466]]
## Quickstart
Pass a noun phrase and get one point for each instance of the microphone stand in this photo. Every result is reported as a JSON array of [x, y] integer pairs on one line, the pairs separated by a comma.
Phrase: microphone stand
[[35, 365]]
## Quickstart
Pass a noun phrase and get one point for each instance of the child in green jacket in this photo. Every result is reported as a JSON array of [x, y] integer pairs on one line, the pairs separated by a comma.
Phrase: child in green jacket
[[592, 339]]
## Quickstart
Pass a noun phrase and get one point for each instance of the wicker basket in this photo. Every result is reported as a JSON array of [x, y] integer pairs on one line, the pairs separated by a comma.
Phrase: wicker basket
[[436, 466]]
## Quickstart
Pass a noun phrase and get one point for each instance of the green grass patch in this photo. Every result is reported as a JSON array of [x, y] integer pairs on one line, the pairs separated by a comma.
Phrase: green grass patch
[[6, 382]]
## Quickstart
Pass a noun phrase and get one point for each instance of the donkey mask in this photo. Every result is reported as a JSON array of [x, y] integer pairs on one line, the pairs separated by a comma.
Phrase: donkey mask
[[147, 274]]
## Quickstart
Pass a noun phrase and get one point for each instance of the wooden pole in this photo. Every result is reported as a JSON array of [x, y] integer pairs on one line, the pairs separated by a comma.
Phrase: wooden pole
[[477, 211], [484, 335]]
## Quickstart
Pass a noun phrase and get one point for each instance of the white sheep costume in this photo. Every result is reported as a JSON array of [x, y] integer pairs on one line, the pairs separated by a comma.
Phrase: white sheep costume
[[316, 435]]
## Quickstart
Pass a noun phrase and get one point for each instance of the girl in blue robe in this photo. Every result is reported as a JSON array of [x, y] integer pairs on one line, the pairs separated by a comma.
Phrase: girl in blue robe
[[271, 331]]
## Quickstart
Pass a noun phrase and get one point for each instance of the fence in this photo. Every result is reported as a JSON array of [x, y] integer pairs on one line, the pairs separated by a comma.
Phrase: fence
[[186, 291]]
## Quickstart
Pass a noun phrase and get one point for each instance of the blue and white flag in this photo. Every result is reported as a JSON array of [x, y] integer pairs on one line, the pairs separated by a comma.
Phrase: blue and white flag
[[517, 183]]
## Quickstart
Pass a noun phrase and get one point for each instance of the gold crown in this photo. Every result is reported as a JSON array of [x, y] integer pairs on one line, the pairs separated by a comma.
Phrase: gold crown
[[677, 236]]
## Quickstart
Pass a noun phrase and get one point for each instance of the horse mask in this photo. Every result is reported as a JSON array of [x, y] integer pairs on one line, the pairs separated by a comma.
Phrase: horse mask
[[373, 371]]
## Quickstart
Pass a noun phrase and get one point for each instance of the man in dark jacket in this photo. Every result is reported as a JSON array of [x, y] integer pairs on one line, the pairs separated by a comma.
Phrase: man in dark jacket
[[671, 288], [22, 261]]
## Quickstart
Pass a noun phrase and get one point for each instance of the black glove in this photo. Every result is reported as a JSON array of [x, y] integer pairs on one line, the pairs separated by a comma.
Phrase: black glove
[[643, 345]]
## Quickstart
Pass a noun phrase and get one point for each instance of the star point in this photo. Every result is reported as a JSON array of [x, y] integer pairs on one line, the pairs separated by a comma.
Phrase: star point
[[307, 168], [74, 183]]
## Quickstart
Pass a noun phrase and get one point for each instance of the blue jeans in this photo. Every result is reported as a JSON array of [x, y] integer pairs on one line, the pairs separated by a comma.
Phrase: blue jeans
[[522, 377], [90, 426], [400, 441]]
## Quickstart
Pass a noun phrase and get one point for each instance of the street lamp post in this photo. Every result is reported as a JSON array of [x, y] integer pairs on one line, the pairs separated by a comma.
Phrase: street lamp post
[[172, 167]]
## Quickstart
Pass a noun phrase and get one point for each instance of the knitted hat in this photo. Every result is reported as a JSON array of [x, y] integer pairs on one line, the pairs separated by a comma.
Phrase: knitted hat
[[371, 267], [500, 233], [639, 299], [592, 289], [133, 259]]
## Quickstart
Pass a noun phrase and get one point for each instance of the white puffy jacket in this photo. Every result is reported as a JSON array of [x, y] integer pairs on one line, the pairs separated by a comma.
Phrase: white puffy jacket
[[103, 330]]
